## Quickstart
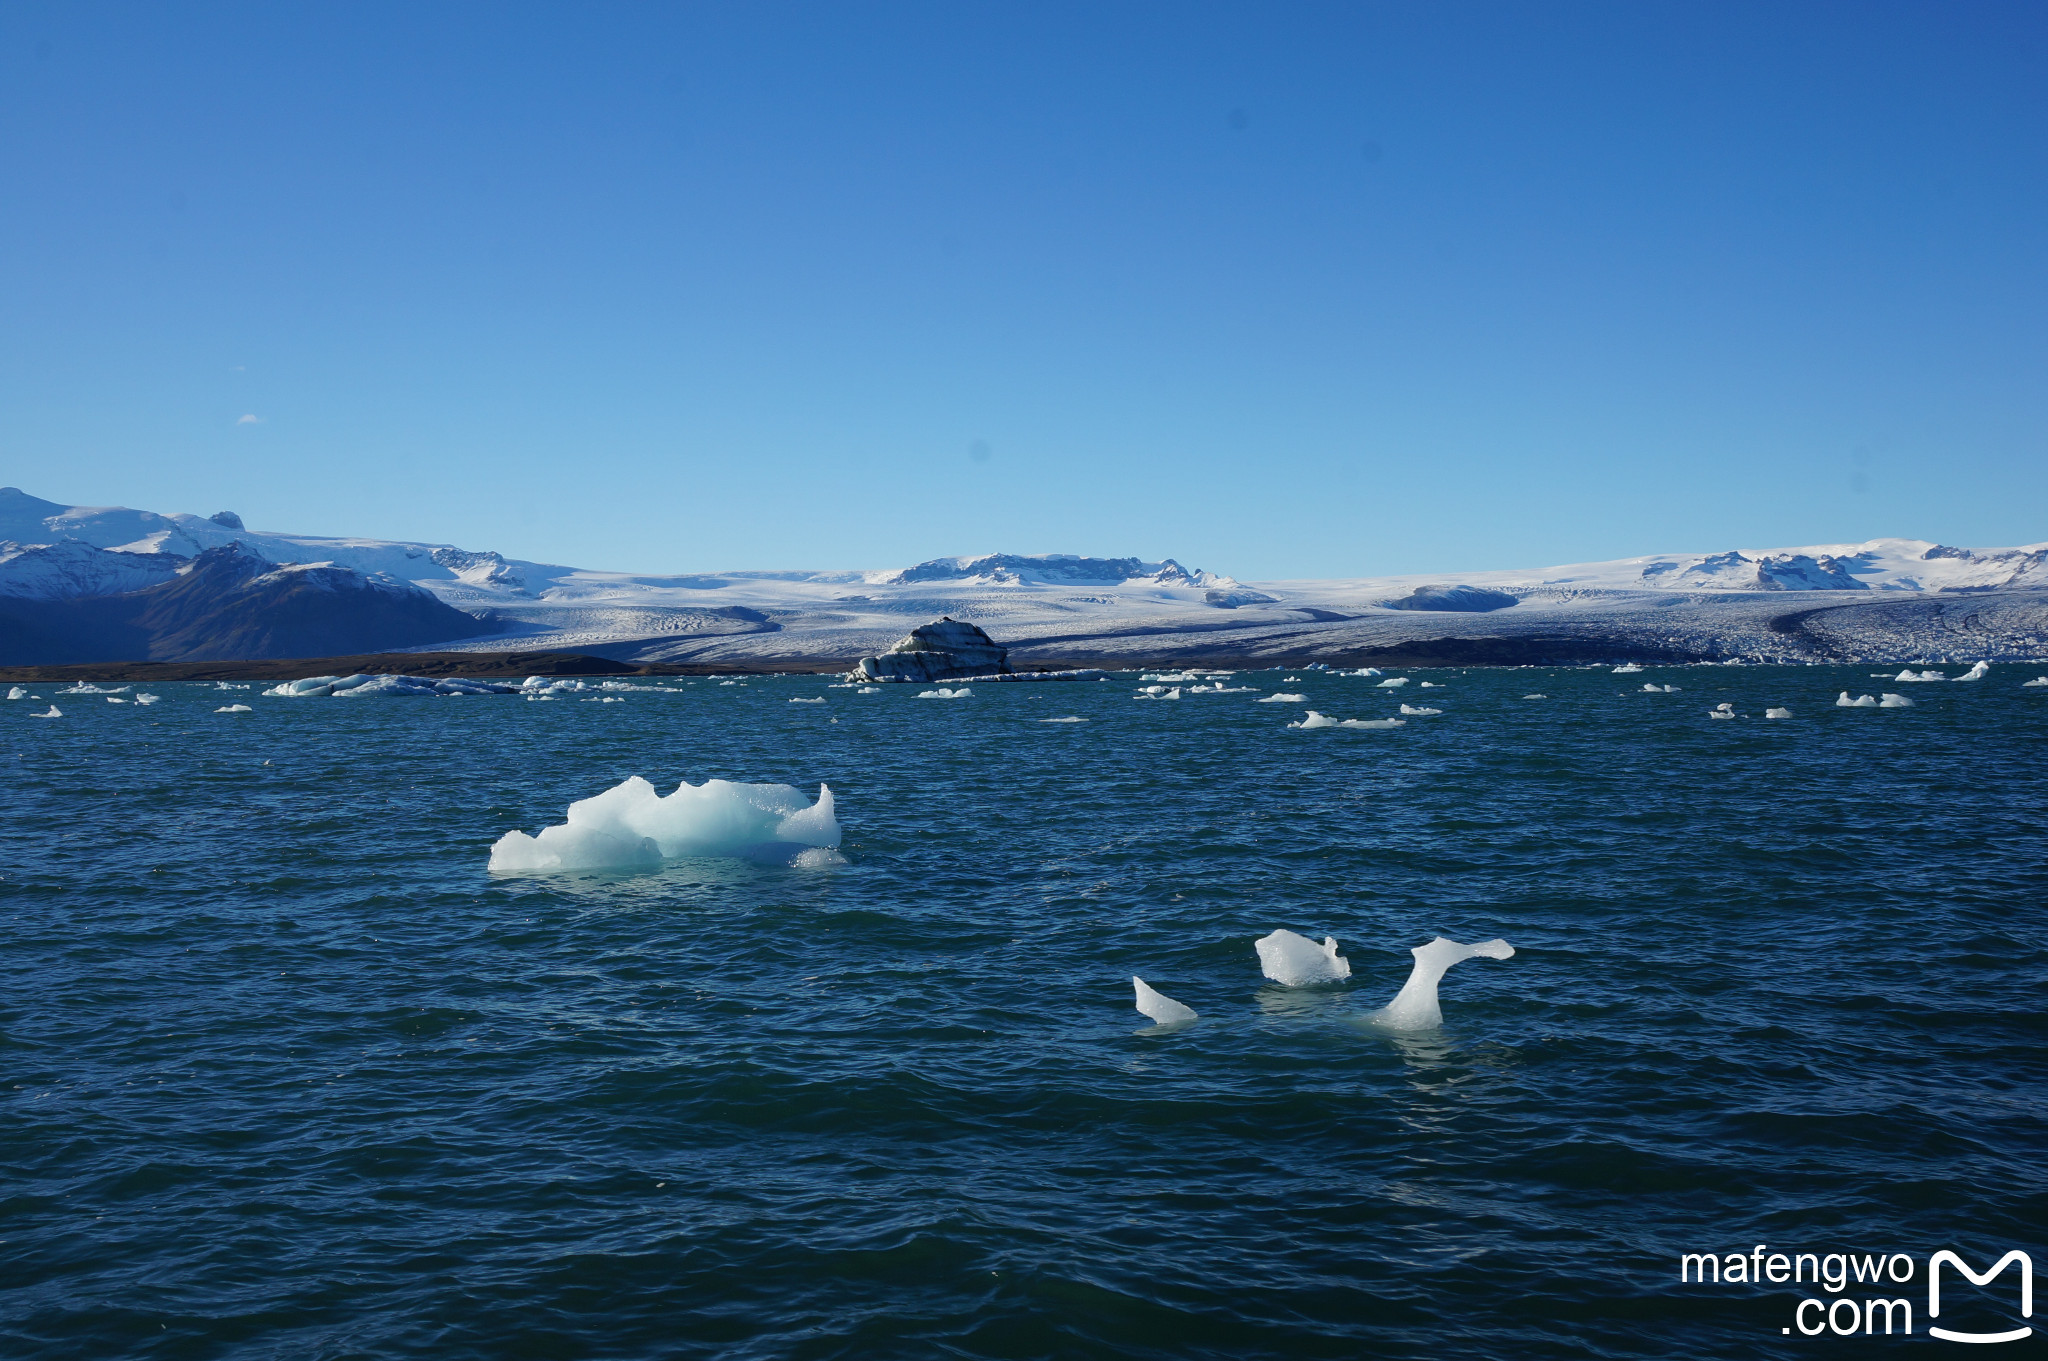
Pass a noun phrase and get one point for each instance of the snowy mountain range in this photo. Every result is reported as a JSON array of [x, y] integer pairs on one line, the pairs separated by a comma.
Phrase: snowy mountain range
[[1887, 597]]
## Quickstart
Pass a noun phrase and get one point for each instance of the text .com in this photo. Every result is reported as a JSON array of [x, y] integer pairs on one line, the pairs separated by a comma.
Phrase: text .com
[[1864, 1288]]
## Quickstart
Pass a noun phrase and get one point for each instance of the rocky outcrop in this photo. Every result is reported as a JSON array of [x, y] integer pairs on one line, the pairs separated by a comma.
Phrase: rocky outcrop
[[945, 649], [229, 604]]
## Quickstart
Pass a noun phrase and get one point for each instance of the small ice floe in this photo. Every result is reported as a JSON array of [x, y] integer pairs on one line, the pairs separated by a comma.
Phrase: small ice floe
[[1393, 682], [1778, 713], [1535, 696], [1157, 692], [115, 699], [1163, 1010], [728, 682], [1296, 961], [54, 712], [1315, 720], [88, 688], [1976, 673], [1415, 1007], [819, 700], [17, 692], [1416, 712], [1721, 711], [234, 709], [943, 693], [869, 690], [1070, 718], [1891, 701], [1650, 689], [604, 699], [1290, 680], [1429, 685], [1221, 689], [1283, 698], [1911, 677], [1627, 669], [146, 699], [1843, 701], [2024, 685]]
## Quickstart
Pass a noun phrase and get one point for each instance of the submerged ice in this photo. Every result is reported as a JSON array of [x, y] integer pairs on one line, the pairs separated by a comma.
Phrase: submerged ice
[[629, 826]]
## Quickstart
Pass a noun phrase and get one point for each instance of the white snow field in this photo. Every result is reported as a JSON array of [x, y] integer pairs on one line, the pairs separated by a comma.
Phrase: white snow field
[[1891, 600], [629, 826]]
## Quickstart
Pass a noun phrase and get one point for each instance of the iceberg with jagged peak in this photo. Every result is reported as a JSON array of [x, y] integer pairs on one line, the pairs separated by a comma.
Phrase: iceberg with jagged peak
[[945, 649]]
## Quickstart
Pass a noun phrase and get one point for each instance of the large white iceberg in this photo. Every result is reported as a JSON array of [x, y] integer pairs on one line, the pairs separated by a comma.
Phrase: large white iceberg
[[629, 826], [366, 686]]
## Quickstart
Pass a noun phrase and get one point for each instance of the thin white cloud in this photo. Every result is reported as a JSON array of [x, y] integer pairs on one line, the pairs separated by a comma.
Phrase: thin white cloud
[[248, 420]]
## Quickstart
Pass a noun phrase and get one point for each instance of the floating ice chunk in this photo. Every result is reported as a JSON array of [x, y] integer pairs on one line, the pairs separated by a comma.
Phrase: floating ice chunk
[[1415, 1007], [869, 690], [819, 700], [1374, 723], [234, 709], [1393, 683], [1316, 720], [1778, 713], [1721, 711], [1429, 685], [1860, 702], [146, 699], [1910, 676], [1297, 961], [728, 682], [1290, 680], [629, 826], [1535, 696], [1220, 689], [604, 699], [1070, 718], [943, 693], [1627, 669], [1363, 672], [54, 712], [17, 692], [115, 699], [1163, 1010], [1650, 689], [1975, 673], [540, 699], [1282, 699], [88, 688], [1418, 712], [2024, 685], [1891, 701]]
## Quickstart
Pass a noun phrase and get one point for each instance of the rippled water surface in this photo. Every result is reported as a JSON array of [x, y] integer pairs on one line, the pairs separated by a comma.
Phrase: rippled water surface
[[287, 1074]]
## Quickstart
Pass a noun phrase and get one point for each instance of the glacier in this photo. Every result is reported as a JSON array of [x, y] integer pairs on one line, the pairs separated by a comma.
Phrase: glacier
[[1887, 600]]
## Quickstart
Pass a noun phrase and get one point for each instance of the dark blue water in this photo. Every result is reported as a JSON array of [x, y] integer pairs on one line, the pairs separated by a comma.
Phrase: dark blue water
[[287, 1074]]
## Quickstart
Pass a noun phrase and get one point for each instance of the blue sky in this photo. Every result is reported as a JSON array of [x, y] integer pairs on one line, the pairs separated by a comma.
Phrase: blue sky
[[1276, 290]]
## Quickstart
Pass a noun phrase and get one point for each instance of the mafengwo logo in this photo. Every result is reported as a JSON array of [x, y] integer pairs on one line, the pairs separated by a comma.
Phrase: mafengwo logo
[[1854, 1280]]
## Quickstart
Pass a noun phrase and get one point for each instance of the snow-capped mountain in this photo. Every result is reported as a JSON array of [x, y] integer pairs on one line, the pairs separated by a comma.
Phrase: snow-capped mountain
[[1911, 598]]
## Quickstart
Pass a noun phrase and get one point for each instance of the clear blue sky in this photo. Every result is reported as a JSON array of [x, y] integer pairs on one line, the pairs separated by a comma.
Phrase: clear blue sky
[[1279, 290]]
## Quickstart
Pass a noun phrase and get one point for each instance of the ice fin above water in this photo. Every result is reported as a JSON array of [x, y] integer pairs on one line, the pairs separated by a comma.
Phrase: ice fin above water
[[1415, 1006], [54, 712], [1296, 961], [16, 692], [629, 826], [1163, 1010], [1976, 672]]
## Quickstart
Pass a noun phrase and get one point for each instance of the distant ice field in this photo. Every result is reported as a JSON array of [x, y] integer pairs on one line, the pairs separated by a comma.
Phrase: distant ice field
[[291, 1072]]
